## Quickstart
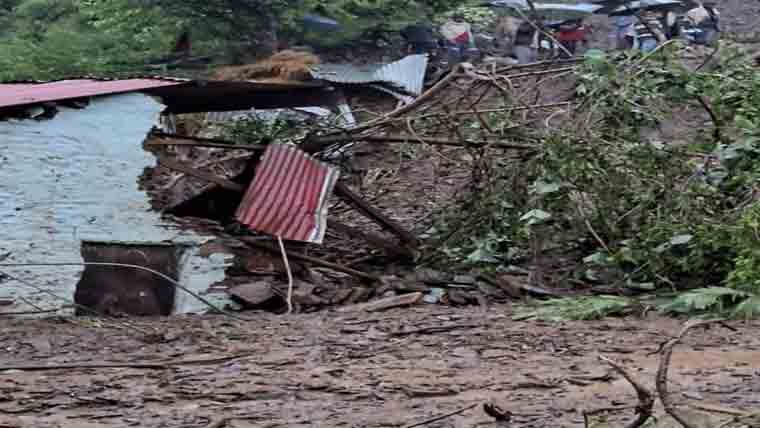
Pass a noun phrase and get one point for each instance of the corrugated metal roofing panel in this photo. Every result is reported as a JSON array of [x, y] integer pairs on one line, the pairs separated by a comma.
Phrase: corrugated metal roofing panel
[[407, 74], [21, 94], [288, 195], [345, 73]]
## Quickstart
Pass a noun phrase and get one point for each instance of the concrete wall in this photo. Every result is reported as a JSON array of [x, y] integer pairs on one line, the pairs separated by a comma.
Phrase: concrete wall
[[74, 178]]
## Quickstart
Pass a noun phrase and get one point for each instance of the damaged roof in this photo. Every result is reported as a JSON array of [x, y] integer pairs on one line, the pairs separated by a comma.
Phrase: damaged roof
[[407, 74], [23, 94], [195, 96], [179, 95]]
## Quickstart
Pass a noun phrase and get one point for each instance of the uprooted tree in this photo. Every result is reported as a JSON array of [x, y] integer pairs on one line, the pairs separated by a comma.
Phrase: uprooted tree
[[629, 212], [577, 185]]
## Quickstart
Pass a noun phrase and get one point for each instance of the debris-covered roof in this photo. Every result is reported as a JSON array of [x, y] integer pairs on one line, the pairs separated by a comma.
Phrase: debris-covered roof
[[22, 94], [407, 74]]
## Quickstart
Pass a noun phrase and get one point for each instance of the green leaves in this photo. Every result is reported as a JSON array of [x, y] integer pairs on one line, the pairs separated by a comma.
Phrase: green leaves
[[54, 39], [541, 188], [681, 239], [714, 300], [534, 217], [578, 308]]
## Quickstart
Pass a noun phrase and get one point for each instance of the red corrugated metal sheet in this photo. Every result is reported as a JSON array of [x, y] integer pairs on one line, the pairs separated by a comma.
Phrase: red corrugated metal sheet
[[20, 94], [288, 196]]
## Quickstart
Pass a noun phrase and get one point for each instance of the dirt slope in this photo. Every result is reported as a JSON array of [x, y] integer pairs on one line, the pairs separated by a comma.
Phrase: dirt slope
[[357, 370]]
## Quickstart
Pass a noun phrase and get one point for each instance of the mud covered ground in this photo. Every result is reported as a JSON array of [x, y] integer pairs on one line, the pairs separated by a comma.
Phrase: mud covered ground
[[351, 369]]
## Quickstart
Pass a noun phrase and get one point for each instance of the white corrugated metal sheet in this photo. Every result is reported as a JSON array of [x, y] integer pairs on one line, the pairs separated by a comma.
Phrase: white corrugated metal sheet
[[407, 74]]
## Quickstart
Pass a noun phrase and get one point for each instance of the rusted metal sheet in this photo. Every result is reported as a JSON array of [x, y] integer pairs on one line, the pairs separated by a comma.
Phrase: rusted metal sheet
[[21, 94], [288, 196], [407, 74]]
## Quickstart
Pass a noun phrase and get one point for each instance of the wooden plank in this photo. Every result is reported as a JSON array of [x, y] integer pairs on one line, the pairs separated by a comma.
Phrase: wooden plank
[[188, 140], [221, 182], [385, 303], [342, 191], [373, 239]]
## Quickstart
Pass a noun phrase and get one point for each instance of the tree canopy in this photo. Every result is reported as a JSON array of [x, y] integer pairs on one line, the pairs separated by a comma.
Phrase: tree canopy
[[42, 39]]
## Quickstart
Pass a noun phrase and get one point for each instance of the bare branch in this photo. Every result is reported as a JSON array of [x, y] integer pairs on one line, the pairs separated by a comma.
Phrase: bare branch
[[646, 399], [662, 372]]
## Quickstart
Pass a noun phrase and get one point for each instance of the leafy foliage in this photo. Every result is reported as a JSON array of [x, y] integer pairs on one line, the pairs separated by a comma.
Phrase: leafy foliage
[[42, 39], [49, 39], [714, 300], [633, 213], [255, 131], [581, 308]]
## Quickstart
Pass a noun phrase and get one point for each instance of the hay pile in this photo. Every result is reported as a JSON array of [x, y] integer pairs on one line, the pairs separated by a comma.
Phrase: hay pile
[[284, 66]]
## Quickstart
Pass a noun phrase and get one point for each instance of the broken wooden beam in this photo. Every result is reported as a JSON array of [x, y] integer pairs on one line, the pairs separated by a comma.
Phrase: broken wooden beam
[[313, 260], [213, 143], [211, 178], [345, 193], [375, 240], [385, 303]]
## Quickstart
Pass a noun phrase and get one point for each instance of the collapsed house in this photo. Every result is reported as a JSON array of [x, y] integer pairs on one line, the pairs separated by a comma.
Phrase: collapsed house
[[72, 152]]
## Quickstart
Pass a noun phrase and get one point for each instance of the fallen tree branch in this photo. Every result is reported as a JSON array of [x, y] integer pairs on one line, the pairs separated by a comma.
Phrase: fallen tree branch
[[434, 329], [441, 417], [717, 123], [546, 63], [348, 195], [140, 365], [211, 143], [644, 409], [430, 141], [316, 145], [494, 110], [221, 182], [719, 409], [373, 239], [662, 371], [739, 419]]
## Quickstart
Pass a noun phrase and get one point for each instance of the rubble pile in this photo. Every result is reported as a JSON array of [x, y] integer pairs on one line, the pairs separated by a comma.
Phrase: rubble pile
[[402, 169]]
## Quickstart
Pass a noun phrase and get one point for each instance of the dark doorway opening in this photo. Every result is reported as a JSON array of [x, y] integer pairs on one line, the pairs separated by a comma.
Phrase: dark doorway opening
[[218, 203], [112, 290]]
